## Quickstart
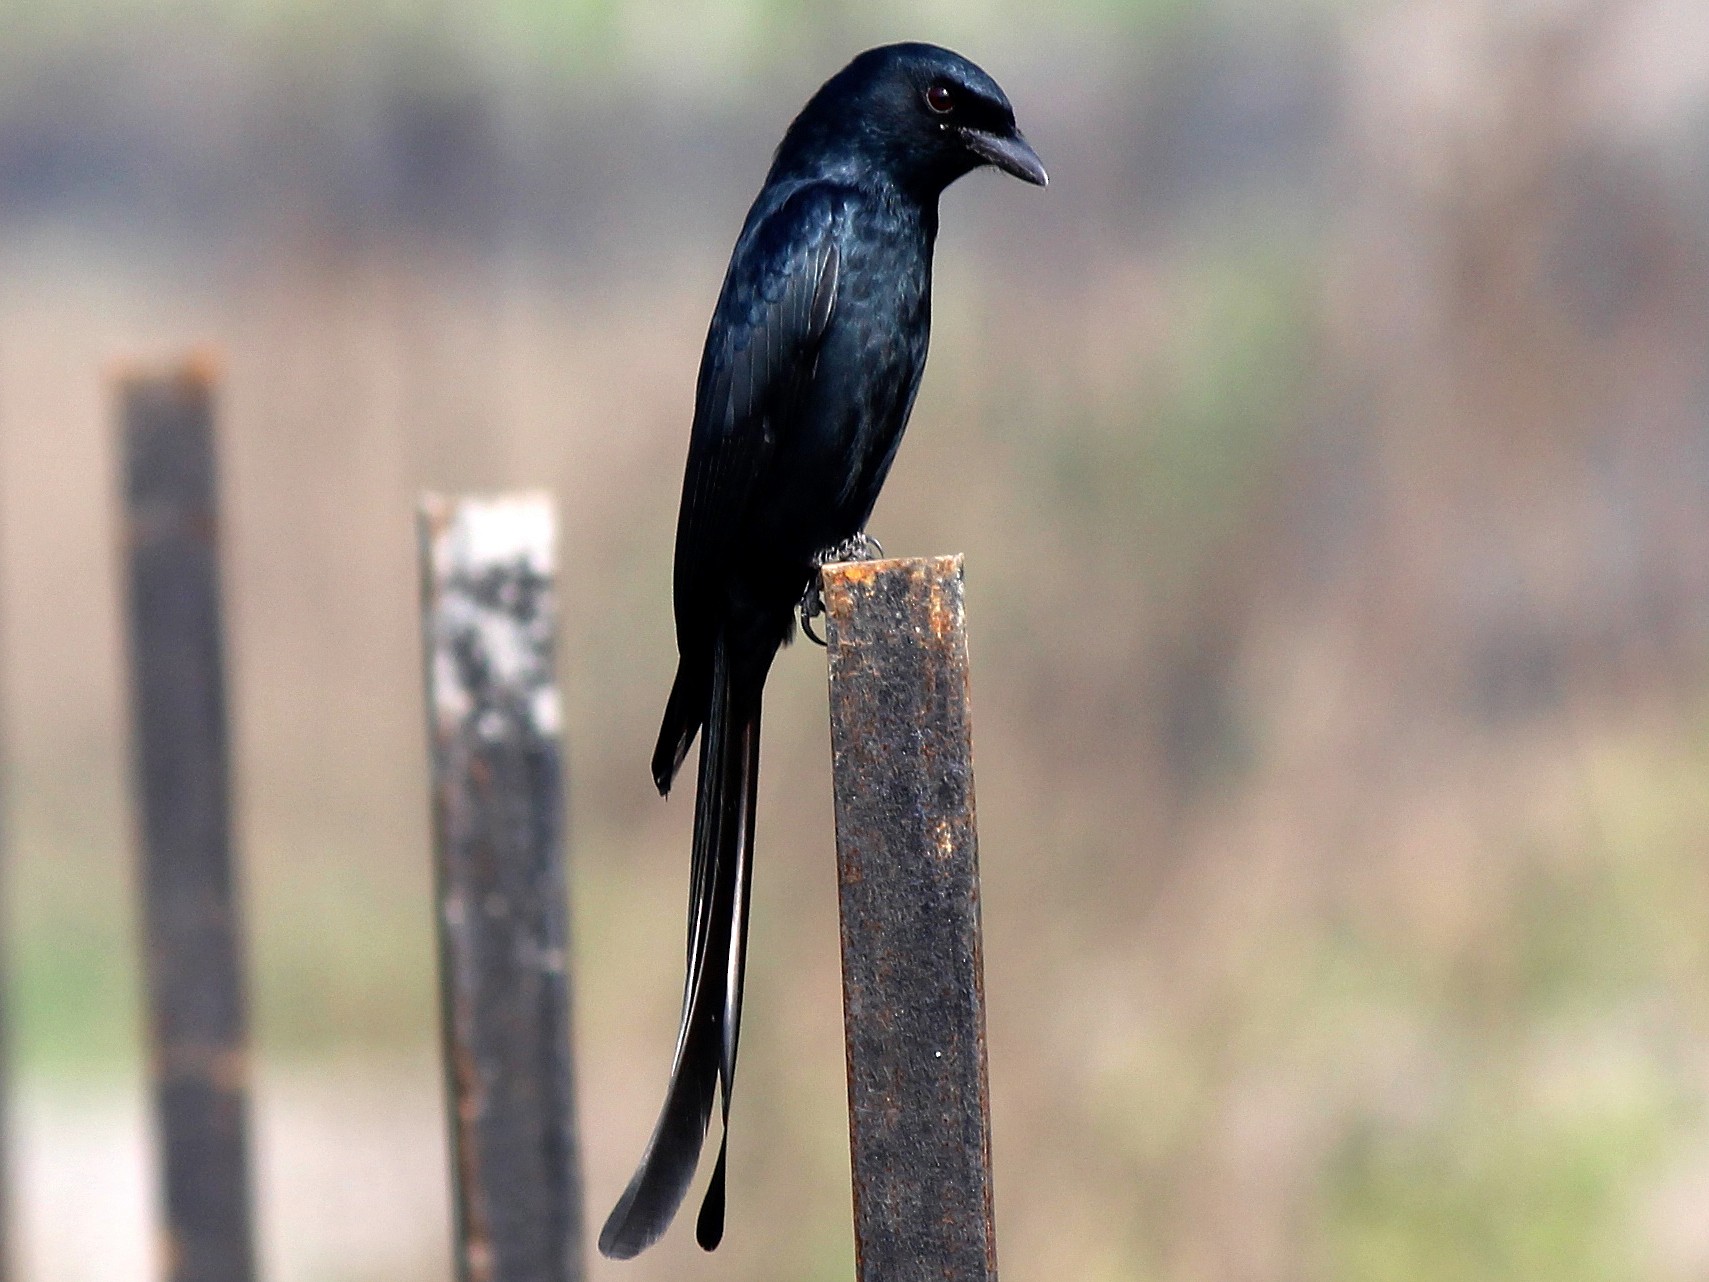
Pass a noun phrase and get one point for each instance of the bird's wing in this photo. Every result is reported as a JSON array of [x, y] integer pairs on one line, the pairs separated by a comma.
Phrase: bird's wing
[[777, 302]]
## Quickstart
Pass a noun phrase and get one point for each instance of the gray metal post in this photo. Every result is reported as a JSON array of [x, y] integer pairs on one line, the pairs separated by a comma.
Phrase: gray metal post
[[913, 980], [498, 816], [180, 772]]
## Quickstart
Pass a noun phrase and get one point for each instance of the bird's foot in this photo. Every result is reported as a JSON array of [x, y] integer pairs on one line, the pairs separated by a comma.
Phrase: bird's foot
[[812, 606], [860, 547]]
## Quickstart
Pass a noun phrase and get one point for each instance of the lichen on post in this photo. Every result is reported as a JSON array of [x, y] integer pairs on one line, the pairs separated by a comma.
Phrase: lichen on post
[[488, 622]]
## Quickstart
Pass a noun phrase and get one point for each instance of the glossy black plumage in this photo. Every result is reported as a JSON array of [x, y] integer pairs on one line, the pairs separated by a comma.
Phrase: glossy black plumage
[[810, 368]]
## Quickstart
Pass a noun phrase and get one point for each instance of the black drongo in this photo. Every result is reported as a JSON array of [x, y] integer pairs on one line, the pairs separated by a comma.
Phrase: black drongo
[[809, 372]]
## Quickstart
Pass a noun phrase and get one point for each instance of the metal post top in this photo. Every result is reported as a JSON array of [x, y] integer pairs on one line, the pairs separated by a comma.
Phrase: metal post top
[[937, 580], [856, 572]]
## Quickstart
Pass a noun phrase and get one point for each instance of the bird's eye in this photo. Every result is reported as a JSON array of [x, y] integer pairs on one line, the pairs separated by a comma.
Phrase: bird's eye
[[940, 99]]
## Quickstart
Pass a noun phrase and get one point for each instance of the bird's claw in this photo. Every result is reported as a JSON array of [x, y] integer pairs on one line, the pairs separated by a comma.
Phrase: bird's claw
[[812, 606], [860, 547], [857, 547]]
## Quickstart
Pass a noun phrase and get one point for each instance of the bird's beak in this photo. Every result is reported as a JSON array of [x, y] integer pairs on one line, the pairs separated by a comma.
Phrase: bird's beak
[[1011, 153]]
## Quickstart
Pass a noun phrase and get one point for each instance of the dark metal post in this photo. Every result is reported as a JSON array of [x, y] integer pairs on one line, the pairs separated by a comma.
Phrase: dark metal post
[[180, 772], [498, 816], [908, 867]]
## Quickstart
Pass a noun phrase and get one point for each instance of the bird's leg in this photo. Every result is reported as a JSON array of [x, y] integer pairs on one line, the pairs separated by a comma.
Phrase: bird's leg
[[859, 547]]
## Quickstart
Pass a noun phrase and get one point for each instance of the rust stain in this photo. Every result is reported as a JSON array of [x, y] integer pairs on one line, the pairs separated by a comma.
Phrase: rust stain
[[478, 1254], [945, 608], [851, 572], [838, 600], [940, 614], [470, 1103], [222, 1065], [170, 1253], [229, 1069], [471, 1098], [201, 368], [436, 511], [197, 370]]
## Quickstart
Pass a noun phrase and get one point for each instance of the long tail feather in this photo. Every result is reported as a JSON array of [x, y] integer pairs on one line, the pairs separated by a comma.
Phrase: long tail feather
[[709, 1227], [717, 938]]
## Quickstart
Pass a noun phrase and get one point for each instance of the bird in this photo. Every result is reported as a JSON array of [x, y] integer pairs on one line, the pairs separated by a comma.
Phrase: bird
[[807, 379]]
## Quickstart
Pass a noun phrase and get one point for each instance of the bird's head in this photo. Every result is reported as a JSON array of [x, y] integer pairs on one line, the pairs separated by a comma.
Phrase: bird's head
[[919, 113]]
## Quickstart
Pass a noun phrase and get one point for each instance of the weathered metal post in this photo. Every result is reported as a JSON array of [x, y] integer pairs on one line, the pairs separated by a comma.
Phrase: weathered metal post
[[181, 781], [913, 977], [488, 619]]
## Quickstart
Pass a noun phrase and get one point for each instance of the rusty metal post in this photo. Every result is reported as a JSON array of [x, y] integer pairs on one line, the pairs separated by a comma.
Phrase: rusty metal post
[[908, 869], [181, 782], [498, 818]]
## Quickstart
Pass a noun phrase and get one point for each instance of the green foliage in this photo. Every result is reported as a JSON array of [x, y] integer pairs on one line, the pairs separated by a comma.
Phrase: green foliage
[[73, 993], [1563, 1077], [1173, 462], [1493, 1189], [343, 952]]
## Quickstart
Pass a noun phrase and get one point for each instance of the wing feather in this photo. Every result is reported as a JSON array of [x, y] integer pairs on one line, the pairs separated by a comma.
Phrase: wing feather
[[778, 300]]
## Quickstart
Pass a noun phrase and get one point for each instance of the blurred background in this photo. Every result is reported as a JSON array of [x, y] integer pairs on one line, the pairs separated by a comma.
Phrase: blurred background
[[1331, 446]]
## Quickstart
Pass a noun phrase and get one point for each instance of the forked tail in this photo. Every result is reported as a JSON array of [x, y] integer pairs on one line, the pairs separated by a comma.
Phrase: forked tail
[[721, 874]]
